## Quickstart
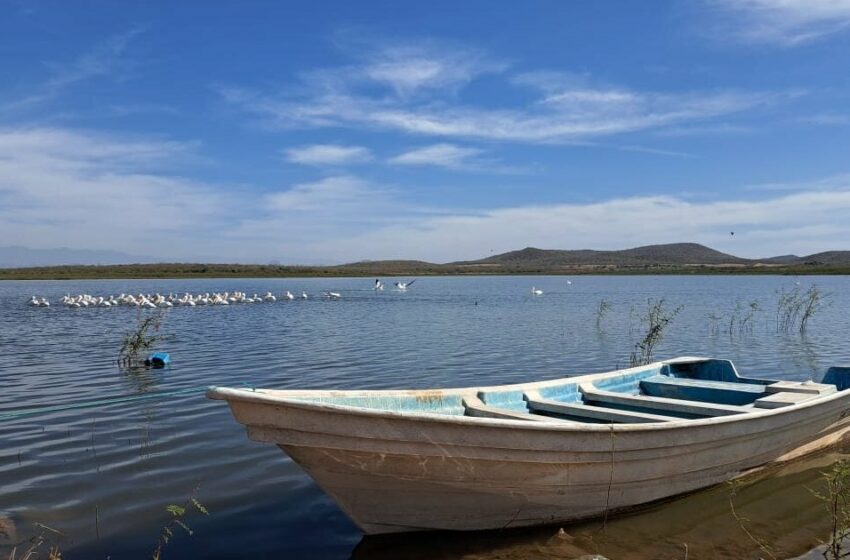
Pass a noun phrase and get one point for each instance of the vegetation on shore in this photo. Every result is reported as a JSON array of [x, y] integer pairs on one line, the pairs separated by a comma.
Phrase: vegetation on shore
[[674, 258], [390, 268]]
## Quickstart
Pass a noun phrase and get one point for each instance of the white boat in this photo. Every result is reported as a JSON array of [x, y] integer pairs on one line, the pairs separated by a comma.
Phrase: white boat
[[544, 452]]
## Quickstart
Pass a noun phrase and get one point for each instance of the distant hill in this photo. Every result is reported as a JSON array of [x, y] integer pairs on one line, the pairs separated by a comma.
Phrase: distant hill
[[670, 254], [673, 258], [828, 257], [782, 259], [17, 257]]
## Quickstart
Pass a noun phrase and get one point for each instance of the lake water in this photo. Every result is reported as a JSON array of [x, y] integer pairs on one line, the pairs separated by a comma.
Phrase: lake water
[[103, 475]]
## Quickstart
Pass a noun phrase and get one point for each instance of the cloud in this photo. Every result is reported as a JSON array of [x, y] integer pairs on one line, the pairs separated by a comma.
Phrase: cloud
[[825, 119], [566, 116], [837, 182], [328, 154], [71, 188], [449, 156], [414, 89], [801, 223], [104, 59], [61, 187], [329, 193], [408, 69], [782, 22]]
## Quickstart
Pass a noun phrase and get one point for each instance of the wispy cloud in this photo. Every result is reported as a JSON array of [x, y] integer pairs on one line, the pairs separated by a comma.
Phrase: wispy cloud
[[449, 156], [713, 129], [557, 115], [781, 22], [825, 119], [104, 59], [330, 193], [61, 187], [802, 223], [840, 182], [408, 69], [328, 154], [71, 188]]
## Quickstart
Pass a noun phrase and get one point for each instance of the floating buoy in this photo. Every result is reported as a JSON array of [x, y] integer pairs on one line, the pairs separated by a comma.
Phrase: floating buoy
[[158, 360]]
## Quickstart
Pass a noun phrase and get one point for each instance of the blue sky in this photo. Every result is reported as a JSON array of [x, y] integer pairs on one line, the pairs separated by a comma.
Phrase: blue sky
[[330, 132]]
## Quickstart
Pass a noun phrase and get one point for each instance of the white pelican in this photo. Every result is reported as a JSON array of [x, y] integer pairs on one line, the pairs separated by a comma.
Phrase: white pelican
[[536, 292], [288, 295], [404, 285], [378, 284], [33, 301], [269, 297], [333, 295], [303, 295]]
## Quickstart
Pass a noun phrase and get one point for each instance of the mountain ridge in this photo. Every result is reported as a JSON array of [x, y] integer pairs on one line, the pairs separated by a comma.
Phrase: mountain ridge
[[671, 258]]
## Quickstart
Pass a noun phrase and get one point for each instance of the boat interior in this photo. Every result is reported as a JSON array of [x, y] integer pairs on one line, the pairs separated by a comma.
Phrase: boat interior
[[685, 388]]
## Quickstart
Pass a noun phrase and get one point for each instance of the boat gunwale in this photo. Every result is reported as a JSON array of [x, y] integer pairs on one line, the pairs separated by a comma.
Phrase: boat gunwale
[[290, 399]]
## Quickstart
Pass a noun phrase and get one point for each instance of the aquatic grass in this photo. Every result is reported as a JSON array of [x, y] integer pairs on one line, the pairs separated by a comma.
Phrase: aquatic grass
[[178, 512], [141, 339], [813, 301], [788, 307], [747, 316], [714, 322], [657, 319], [33, 551], [794, 308], [602, 310], [836, 498], [742, 521]]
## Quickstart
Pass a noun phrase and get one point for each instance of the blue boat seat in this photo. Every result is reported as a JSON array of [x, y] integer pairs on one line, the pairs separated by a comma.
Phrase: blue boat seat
[[720, 392], [476, 407], [580, 410], [592, 394]]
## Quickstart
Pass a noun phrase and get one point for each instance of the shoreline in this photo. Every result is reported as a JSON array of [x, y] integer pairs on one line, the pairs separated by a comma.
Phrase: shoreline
[[200, 271]]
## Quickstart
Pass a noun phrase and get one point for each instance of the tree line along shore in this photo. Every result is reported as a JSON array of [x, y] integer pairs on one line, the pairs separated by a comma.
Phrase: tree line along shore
[[395, 268]]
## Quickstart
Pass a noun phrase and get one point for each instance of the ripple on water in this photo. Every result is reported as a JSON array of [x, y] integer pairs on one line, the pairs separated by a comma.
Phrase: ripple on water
[[124, 462]]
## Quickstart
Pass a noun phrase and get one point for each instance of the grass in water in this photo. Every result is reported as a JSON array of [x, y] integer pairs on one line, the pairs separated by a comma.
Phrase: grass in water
[[177, 522], [794, 308], [836, 498], [141, 339], [602, 310], [657, 318]]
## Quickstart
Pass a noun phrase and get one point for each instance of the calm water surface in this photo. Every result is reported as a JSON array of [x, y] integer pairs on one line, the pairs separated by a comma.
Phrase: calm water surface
[[103, 475]]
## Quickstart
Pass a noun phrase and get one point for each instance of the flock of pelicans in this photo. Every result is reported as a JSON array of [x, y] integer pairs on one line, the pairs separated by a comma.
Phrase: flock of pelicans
[[190, 300], [187, 299]]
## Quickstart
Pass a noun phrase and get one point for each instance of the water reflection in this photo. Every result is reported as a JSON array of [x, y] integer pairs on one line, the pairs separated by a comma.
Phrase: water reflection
[[158, 438], [777, 506]]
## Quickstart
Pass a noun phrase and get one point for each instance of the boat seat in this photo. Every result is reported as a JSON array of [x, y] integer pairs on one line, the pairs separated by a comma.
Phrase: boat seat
[[686, 388], [807, 387], [782, 399], [476, 407], [579, 410], [592, 394]]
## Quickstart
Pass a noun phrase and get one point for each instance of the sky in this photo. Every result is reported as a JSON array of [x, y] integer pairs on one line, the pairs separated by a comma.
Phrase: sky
[[330, 132]]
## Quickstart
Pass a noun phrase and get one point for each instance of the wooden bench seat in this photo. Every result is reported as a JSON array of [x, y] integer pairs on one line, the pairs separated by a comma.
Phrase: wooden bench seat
[[579, 410], [592, 394]]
